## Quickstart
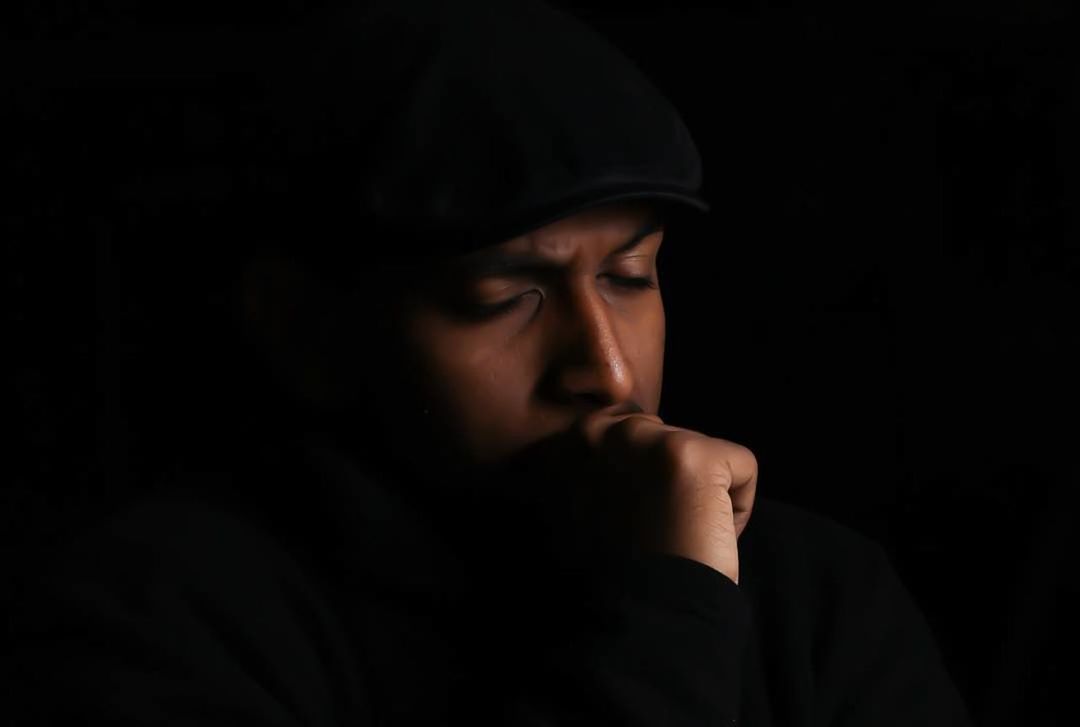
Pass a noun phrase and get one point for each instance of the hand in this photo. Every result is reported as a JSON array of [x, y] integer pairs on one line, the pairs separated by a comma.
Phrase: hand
[[630, 481]]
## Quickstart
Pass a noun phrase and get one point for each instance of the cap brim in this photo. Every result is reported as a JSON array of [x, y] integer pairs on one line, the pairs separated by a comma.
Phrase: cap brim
[[569, 207]]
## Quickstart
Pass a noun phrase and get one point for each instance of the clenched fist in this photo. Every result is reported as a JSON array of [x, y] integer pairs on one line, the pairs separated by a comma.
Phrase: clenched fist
[[625, 482]]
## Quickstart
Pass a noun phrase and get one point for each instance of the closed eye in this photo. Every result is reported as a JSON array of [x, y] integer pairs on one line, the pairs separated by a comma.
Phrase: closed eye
[[632, 282], [491, 310]]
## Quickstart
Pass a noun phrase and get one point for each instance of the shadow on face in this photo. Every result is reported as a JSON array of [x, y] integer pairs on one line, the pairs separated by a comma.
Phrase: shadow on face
[[460, 364]]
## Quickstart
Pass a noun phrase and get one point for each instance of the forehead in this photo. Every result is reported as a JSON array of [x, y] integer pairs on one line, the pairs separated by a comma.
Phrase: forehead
[[560, 240]]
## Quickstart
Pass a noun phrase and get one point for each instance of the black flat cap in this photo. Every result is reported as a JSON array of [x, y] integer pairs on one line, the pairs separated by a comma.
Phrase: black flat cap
[[465, 123]]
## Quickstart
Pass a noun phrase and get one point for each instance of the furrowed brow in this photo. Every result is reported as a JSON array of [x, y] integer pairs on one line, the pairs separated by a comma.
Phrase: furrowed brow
[[496, 262]]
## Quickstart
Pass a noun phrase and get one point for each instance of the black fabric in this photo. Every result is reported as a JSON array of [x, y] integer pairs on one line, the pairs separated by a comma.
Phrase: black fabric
[[311, 594], [466, 123]]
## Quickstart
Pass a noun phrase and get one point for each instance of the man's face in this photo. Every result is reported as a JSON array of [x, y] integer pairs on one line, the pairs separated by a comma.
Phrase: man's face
[[512, 343], [498, 349]]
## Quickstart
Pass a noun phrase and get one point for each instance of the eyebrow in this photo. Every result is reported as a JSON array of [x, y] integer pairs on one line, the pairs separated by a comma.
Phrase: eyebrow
[[495, 262]]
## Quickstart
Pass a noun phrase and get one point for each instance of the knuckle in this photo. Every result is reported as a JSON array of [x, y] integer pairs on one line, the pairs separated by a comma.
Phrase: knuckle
[[751, 459], [737, 454], [745, 458], [680, 452]]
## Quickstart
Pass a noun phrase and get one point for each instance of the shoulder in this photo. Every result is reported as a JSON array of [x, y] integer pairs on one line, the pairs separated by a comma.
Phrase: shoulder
[[175, 556], [827, 603], [784, 540], [819, 582]]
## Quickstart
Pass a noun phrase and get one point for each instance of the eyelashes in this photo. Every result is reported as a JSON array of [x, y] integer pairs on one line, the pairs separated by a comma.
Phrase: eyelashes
[[633, 283], [484, 310]]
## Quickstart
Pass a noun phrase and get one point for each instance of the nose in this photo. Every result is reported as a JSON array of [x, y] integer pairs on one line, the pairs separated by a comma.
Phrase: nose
[[590, 369]]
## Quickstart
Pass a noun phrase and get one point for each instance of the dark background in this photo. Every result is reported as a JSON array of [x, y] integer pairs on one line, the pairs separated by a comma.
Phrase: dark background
[[880, 306]]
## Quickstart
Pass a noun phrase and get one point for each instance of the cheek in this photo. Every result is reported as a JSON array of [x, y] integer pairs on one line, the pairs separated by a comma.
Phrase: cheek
[[643, 336], [658, 336], [477, 392]]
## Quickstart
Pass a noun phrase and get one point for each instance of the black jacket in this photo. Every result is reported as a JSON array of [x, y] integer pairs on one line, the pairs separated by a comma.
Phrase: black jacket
[[309, 594]]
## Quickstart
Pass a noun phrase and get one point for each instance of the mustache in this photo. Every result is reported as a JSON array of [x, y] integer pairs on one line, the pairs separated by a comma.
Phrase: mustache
[[563, 445]]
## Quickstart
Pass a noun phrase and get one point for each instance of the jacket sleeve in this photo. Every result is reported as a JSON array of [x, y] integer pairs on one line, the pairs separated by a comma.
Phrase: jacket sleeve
[[660, 641], [127, 634]]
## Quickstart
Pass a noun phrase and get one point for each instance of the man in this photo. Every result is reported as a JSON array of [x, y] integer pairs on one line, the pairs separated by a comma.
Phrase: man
[[457, 503]]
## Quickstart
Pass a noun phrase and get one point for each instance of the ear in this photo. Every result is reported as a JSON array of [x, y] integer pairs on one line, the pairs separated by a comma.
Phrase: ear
[[272, 294]]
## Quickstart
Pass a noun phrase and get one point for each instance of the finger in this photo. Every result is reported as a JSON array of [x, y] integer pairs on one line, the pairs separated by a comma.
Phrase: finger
[[597, 428], [744, 476]]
